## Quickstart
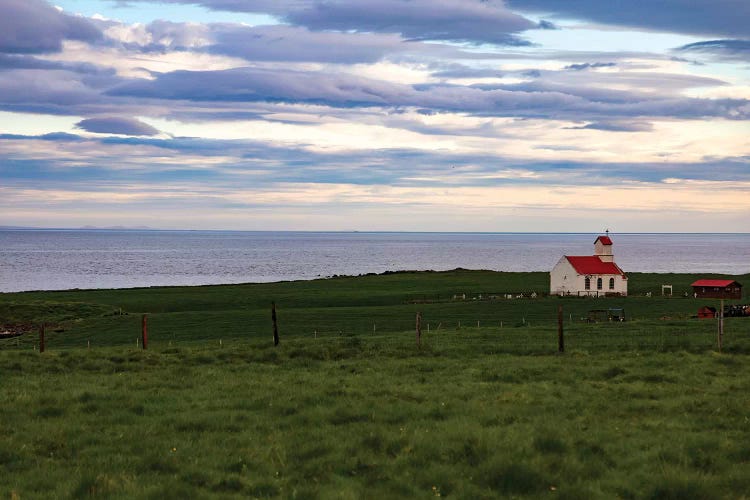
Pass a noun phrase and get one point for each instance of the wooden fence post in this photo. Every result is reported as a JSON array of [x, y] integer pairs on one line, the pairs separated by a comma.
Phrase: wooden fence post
[[720, 332], [560, 338], [419, 329], [144, 332], [275, 326], [41, 338]]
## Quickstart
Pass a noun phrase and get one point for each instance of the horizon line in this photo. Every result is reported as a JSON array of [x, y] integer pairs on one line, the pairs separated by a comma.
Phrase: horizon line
[[345, 231]]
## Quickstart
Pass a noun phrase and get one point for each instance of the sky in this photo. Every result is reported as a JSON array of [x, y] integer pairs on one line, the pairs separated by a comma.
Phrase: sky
[[376, 115]]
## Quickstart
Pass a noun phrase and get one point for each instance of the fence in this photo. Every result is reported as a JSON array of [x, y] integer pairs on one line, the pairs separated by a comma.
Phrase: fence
[[536, 334]]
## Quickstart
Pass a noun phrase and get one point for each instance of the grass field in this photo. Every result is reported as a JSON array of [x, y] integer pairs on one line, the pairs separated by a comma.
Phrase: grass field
[[641, 409], [347, 306]]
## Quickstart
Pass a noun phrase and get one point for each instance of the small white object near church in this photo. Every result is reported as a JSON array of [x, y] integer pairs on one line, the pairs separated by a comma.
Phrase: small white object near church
[[595, 275]]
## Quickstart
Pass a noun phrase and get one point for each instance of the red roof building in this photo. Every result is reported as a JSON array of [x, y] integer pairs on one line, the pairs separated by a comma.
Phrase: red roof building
[[712, 283], [589, 274], [707, 312], [593, 265], [717, 289]]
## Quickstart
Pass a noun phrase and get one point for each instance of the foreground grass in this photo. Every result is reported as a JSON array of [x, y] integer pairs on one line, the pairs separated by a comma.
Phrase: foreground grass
[[372, 418]]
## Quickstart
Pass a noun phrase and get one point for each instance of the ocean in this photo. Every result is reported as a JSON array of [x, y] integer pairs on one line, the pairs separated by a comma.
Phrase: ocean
[[66, 259]]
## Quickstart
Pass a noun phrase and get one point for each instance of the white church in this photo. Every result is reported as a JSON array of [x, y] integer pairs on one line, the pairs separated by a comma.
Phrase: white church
[[596, 275]]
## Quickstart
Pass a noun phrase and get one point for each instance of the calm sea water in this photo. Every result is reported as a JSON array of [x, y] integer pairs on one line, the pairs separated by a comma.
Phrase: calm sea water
[[64, 259]]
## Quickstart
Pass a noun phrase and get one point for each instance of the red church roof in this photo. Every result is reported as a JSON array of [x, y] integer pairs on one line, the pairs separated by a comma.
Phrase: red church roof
[[715, 283], [593, 265], [604, 239]]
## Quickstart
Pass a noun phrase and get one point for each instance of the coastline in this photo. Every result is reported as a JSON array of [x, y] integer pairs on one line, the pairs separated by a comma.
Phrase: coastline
[[540, 276]]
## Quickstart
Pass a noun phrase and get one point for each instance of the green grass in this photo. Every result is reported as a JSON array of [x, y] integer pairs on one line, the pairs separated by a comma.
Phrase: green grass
[[341, 306], [372, 418], [641, 409]]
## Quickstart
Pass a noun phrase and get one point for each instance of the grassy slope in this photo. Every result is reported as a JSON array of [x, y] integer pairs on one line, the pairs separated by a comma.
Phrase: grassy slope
[[356, 414]]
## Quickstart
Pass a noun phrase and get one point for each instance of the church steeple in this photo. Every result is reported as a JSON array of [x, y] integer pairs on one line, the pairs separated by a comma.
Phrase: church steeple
[[603, 248]]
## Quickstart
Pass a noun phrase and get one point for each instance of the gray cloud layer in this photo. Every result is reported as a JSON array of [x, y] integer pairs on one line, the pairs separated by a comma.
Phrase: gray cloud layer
[[700, 17], [117, 125], [494, 21], [728, 50], [257, 163], [629, 126], [34, 26], [480, 21], [581, 92], [18, 61], [465, 20], [289, 43], [280, 43], [347, 91]]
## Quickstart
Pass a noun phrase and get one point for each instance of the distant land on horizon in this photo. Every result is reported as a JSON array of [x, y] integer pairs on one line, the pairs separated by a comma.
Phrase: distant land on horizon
[[149, 228], [87, 228], [118, 227]]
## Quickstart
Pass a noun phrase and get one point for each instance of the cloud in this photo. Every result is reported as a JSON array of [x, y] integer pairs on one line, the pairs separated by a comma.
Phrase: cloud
[[548, 25], [60, 91], [340, 90], [117, 125], [17, 61], [726, 50], [476, 21], [611, 87], [290, 43], [462, 20], [269, 43], [183, 179], [617, 126], [494, 21], [729, 18], [260, 84], [580, 67], [461, 71], [156, 36], [34, 26], [53, 136], [692, 62], [29, 87], [254, 163]]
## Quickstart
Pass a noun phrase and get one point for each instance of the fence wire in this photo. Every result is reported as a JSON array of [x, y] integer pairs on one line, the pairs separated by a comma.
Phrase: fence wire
[[487, 335]]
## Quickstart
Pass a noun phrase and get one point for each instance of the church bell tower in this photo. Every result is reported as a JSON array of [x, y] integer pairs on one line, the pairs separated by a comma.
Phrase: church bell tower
[[603, 248]]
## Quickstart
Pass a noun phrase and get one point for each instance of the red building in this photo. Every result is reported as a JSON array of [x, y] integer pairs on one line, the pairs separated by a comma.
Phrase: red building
[[707, 312], [717, 289]]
